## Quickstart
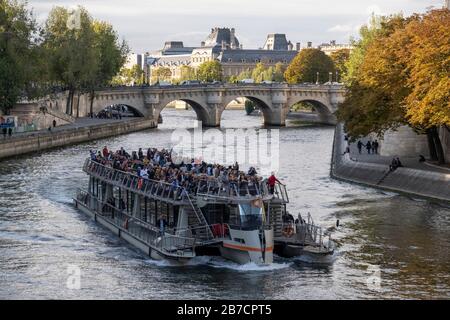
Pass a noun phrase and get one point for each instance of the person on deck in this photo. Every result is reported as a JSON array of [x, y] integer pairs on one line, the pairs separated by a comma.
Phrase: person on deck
[[271, 182]]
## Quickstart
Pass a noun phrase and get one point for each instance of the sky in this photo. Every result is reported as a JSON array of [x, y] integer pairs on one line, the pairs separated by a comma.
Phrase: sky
[[146, 25]]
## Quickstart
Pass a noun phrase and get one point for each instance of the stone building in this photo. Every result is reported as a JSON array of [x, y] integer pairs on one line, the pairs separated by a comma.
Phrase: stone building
[[222, 45], [332, 47]]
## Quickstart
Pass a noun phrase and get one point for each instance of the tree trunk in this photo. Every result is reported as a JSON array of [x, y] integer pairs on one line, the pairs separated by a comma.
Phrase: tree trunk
[[78, 104], [91, 109], [438, 145], [68, 103], [71, 101], [431, 146]]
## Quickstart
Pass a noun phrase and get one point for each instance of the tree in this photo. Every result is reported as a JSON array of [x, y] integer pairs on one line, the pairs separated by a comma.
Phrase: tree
[[161, 74], [71, 51], [249, 107], [187, 73], [19, 51], [110, 57], [305, 66], [210, 71], [129, 76], [280, 69], [401, 77], [259, 73], [340, 59], [375, 89], [428, 59]]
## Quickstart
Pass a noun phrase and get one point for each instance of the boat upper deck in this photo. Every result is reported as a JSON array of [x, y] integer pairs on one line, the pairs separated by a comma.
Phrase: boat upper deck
[[178, 184]]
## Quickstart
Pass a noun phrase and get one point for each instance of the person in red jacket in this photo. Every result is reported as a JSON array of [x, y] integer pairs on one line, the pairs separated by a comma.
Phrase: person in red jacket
[[271, 182], [105, 152]]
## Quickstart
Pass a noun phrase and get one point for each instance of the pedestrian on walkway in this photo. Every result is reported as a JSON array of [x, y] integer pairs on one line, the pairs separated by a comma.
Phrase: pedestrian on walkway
[[360, 144], [369, 147], [5, 131], [54, 123], [375, 146], [10, 132]]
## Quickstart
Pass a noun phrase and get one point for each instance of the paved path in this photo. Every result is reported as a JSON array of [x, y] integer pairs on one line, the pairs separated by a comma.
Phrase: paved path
[[408, 162], [79, 123]]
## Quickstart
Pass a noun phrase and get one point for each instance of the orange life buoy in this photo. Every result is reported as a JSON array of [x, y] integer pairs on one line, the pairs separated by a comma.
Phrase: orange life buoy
[[140, 182]]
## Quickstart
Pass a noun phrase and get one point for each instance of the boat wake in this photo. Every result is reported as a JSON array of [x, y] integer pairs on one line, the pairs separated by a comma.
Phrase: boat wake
[[221, 263]]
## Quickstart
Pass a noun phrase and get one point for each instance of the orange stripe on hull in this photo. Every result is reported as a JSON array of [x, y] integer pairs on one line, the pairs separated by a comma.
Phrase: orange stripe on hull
[[245, 248]]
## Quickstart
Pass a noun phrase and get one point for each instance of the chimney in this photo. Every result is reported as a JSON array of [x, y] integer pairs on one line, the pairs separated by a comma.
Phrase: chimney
[[224, 45], [290, 46], [309, 44], [298, 46], [232, 44]]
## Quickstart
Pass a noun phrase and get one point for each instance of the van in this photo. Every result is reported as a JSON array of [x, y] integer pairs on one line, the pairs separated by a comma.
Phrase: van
[[247, 81]]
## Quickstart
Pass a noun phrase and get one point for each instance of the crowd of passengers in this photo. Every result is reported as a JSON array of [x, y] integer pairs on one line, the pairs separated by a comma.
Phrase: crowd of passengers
[[157, 165]]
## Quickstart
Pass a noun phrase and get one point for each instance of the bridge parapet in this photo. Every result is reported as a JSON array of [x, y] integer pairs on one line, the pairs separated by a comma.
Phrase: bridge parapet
[[209, 100]]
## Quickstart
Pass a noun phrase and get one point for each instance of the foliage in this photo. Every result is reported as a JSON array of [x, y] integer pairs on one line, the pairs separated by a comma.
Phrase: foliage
[[129, 76], [261, 73], [210, 71], [305, 66], [18, 50], [161, 74], [340, 59], [187, 73], [249, 106], [400, 76]]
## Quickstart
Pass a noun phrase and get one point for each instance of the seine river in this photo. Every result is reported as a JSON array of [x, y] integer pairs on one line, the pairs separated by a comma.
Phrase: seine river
[[389, 246]]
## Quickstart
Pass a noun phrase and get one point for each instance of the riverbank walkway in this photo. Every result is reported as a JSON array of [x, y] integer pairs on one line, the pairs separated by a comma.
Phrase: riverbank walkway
[[79, 123], [408, 162]]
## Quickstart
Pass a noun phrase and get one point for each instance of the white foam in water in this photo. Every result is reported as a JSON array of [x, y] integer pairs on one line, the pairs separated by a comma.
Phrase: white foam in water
[[218, 262]]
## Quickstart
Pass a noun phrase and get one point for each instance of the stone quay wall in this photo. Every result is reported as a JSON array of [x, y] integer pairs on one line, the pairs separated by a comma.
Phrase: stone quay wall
[[39, 141], [422, 183]]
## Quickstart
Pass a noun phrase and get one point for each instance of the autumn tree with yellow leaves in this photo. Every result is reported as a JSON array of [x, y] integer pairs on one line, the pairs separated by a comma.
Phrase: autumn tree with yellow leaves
[[402, 77]]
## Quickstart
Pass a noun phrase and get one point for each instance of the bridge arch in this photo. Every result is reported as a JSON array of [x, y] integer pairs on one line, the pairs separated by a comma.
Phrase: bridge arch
[[202, 112], [262, 103], [325, 112]]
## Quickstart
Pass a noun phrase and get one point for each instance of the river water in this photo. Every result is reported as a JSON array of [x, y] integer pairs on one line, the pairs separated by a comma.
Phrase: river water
[[389, 246]]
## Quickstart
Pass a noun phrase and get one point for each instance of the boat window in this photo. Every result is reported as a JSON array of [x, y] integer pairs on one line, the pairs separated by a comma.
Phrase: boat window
[[239, 240], [251, 216]]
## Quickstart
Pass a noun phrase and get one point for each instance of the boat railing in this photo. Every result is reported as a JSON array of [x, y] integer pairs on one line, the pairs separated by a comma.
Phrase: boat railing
[[174, 244], [214, 188], [151, 188], [312, 234], [170, 243]]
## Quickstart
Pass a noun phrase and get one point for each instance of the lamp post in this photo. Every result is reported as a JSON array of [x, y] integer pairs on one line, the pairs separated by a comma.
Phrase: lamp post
[[330, 77], [317, 77]]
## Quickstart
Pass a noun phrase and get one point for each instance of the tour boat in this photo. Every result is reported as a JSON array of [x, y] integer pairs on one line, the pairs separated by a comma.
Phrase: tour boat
[[242, 224]]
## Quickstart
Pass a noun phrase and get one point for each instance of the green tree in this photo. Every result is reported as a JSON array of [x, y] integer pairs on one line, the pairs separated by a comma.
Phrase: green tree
[[279, 70], [259, 73], [187, 73], [110, 53], [161, 74], [19, 54], [340, 59], [210, 71], [305, 66], [71, 51], [129, 76]]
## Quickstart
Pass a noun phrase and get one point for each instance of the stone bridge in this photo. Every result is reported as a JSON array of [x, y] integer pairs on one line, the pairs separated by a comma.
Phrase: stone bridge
[[209, 101]]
